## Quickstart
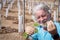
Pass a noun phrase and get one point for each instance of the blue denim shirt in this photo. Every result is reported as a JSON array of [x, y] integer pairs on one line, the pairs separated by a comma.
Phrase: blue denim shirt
[[45, 35]]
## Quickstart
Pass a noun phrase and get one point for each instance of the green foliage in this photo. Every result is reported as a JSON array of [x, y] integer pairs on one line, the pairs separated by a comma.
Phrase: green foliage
[[36, 24], [25, 35], [36, 31]]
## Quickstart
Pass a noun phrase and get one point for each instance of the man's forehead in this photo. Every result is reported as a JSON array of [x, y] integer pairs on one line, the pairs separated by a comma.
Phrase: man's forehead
[[39, 12]]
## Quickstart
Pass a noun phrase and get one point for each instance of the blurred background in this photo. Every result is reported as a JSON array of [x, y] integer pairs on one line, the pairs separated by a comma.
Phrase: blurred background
[[15, 15]]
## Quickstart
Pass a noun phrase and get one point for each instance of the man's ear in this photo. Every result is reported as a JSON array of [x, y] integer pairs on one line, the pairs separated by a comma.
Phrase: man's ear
[[49, 16]]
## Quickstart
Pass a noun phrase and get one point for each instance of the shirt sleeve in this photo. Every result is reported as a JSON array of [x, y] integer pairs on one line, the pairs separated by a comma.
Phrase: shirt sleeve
[[58, 27], [34, 36]]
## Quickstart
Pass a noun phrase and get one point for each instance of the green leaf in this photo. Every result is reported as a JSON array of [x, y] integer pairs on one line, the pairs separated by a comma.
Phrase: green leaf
[[36, 30], [36, 24], [25, 35]]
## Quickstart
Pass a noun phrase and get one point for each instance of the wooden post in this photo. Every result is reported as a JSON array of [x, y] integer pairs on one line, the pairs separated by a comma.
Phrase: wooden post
[[12, 3], [32, 8], [20, 25], [59, 5], [55, 16], [7, 10], [0, 13], [24, 15], [0, 21], [4, 2], [52, 5], [9, 1], [0, 5], [20, 19], [29, 6], [32, 3]]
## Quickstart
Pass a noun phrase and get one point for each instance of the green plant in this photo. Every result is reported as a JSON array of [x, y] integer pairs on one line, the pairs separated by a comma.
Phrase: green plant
[[25, 35], [36, 24]]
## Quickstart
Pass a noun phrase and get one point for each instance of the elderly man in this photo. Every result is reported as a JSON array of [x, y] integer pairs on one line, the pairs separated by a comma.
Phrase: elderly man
[[48, 30]]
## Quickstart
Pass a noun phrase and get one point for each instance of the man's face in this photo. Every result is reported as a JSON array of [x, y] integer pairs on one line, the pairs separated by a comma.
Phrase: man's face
[[42, 16]]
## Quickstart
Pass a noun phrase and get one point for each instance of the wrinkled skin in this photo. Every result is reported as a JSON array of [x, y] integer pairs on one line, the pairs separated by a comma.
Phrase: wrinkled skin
[[43, 17], [29, 30]]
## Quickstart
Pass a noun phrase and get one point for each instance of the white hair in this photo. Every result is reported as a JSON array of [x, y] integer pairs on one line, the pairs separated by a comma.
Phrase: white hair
[[41, 6]]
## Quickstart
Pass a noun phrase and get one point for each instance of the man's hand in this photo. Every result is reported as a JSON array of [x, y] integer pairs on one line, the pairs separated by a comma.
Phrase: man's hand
[[51, 27], [29, 30]]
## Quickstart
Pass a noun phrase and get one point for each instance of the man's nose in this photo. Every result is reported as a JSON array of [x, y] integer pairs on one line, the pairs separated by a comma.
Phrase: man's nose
[[41, 19]]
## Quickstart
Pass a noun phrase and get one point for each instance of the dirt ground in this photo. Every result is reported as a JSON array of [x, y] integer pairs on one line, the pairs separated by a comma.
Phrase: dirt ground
[[11, 36], [9, 24]]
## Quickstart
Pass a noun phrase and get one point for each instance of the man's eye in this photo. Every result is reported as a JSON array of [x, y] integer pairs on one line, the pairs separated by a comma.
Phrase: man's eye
[[38, 17], [43, 15]]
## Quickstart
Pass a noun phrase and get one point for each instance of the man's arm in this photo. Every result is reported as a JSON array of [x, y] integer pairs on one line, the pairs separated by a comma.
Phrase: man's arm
[[51, 28], [54, 29], [34, 36], [57, 27]]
